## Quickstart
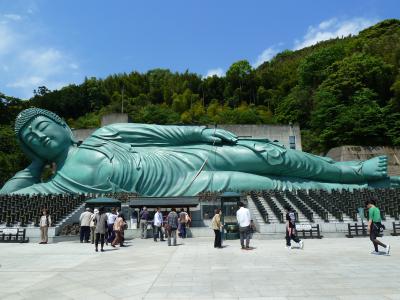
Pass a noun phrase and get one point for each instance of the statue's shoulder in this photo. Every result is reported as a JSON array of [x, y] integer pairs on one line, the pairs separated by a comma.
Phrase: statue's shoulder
[[87, 166]]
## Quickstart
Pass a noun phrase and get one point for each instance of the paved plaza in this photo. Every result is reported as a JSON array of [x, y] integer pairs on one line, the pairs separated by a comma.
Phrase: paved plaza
[[331, 268]]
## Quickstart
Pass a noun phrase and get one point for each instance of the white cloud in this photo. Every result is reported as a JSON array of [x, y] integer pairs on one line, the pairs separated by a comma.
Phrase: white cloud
[[266, 55], [218, 72], [73, 66], [27, 64], [13, 17], [332, 28], [7, 39], [27, 82]]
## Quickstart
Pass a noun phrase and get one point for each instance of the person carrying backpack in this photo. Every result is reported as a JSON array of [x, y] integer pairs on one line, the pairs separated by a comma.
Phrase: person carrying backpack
[[291, 228], [171, 225]]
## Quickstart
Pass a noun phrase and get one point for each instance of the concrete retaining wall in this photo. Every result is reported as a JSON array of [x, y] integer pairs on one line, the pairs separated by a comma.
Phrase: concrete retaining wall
[[348, 152]]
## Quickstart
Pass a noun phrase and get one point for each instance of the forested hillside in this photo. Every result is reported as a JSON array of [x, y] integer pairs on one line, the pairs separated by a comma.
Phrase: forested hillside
[[341, 91]]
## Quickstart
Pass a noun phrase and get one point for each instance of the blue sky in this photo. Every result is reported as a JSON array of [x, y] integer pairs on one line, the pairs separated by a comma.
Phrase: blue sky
[[54, 43]]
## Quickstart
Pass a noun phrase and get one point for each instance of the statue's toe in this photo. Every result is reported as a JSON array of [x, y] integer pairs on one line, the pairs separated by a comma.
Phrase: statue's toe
[[376, 167], [395, 181]]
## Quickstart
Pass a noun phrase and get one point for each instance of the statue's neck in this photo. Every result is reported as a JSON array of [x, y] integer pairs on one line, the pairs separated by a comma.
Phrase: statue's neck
[[61, 158]]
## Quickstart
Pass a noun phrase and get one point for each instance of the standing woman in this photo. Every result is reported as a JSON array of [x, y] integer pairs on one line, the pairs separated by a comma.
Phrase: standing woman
[[216, 226], [44, 223], [101, 227], [119, 225]]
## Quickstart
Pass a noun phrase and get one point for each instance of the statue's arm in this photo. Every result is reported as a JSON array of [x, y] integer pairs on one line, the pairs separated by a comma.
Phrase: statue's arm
[[88, 172], [216, 181], [42, 188], [162, 135], [24, 178]]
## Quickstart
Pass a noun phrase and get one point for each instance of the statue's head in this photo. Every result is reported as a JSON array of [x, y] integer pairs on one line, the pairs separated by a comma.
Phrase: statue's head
[[43, 135]]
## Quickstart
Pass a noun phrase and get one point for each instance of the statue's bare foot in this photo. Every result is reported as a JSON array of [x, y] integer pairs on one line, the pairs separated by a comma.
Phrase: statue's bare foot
[[388, 182], [375, 168], [395, 181]]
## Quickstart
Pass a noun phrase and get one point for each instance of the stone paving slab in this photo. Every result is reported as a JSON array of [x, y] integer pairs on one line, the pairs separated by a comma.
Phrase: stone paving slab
[[332, 268]]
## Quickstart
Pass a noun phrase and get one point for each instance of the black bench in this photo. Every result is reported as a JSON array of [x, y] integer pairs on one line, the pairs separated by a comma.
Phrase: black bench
[[396, 229], [308, 231], [13, 235], [357, 230]]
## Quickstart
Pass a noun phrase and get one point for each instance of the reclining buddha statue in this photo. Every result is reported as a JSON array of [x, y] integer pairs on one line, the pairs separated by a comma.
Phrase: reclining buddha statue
[[156, 160]]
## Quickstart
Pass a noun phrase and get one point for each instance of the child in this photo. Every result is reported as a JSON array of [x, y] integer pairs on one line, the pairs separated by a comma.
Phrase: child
[[252, 228]]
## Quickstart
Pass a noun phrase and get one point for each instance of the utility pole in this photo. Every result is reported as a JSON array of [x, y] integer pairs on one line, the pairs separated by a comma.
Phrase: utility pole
[[122, 99]]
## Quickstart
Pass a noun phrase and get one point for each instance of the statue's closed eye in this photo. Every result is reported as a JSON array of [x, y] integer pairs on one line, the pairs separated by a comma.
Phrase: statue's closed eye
[[42, 125]]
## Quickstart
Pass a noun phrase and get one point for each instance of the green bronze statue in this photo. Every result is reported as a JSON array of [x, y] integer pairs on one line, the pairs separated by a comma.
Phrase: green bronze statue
[[155, 160]]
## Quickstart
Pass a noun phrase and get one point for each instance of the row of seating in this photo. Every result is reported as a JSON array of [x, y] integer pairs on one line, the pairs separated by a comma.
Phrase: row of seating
[[261, 208], [307, 212], [271, 203], [24, 210], [329, 206], [314, 205], [283, 202]]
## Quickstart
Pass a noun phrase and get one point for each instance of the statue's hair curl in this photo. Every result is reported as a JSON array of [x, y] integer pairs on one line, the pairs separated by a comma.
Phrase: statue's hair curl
[[27, 115]]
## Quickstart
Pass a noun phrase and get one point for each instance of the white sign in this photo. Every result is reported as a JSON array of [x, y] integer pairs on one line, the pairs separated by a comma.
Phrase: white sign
[[303, 226], [10, 230]]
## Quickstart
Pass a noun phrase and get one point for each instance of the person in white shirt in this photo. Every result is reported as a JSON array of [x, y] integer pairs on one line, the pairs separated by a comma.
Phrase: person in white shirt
[[243, 218], [111, 217], [85, 225], [157, 225], [44, 223]]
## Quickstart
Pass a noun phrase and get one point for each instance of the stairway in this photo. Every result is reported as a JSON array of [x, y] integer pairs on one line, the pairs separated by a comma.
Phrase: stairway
[[71, 218]]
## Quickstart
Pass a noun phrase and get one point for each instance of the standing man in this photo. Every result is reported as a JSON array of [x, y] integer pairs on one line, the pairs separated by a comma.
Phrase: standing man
[[144, 219], [172, 226], [85, 225], [111, 217], [375, 225], [291, 228], [158, 223], [243, 218]]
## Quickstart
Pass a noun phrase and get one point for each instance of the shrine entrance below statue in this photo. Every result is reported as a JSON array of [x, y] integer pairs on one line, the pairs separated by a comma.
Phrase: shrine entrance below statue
[[164, 203], [229, 206]]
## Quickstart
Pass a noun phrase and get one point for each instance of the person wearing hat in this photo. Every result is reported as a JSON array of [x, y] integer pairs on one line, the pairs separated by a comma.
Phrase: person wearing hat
[[101, 228], [93, 225], [85, 225]]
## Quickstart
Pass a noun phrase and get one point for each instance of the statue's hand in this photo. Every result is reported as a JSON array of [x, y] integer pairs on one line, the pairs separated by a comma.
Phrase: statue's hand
[[218, 136]]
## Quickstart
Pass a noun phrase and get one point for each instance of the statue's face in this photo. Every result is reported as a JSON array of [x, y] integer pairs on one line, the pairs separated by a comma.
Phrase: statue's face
[[45, 137]]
